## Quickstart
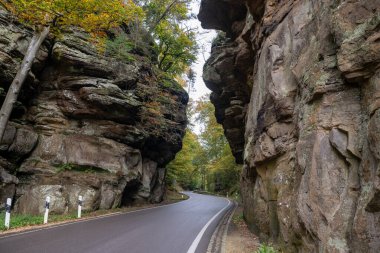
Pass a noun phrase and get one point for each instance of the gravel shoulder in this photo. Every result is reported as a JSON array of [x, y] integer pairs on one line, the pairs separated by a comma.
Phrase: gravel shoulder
[[239, 238]]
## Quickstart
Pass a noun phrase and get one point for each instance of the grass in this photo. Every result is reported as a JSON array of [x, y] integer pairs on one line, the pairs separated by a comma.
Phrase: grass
[[169, 83], [206, 192], [238, 218], [175, 196], [120, 48], [80, 168], [23, 220], [266, 249]]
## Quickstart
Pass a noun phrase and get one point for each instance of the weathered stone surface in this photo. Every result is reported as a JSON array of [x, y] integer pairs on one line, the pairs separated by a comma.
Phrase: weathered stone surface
[[159, 187], [8, 184], [230, 94], [149, 173], [24, 142], [32, 201], [222, 14], [87, 124], [311, 141]]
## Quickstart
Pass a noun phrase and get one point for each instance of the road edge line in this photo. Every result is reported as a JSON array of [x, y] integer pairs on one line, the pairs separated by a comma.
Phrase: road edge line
[[194, 245], [225, 234], [52, 226]]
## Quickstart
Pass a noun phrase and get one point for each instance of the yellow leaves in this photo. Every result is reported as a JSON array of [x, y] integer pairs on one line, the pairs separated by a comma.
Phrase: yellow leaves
[[94, 16]]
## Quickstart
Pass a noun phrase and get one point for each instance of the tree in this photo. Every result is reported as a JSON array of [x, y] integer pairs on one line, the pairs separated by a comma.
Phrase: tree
[[212, 135], [220, 172], [206, 160], [51, 17], [191, 79], [160, 10], [183, 169], [176, 43]]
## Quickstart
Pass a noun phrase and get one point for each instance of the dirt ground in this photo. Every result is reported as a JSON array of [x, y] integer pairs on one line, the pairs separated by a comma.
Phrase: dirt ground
[[239, 238]]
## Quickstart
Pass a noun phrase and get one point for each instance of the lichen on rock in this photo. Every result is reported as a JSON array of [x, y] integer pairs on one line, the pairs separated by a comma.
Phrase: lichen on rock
[[87, 123], [295, 86]]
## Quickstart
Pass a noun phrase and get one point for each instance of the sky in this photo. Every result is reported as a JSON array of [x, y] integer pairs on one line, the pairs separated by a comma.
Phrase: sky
[[205, 38]]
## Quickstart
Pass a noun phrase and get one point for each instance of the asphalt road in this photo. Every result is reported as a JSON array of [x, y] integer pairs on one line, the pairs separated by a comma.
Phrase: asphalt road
[[184, 227]]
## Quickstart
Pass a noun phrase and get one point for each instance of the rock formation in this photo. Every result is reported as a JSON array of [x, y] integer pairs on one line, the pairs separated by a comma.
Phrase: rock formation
[[296, 86], [86, 124]]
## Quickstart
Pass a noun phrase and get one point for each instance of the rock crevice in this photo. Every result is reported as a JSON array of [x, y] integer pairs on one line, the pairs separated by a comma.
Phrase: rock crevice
[[306, 75], [86, 124]]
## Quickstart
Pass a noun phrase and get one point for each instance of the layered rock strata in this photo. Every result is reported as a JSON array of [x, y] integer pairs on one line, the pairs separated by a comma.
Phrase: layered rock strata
[[310, 148], [86, 124]]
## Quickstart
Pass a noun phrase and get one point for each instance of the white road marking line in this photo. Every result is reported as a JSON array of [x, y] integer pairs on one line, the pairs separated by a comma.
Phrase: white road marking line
[[197, 240], [88, 219], [224, 240]]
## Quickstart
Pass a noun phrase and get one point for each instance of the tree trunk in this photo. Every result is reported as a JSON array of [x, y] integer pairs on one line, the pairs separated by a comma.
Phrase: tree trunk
[[163, 15], [18, 81]]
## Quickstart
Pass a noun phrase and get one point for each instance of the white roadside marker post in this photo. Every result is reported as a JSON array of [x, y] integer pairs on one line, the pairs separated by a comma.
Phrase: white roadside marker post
[[8, 212], [47, 206], [182, 196], [80, 201]]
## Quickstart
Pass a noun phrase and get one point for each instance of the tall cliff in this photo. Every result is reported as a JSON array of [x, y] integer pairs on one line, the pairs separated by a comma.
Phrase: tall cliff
[[296, 86], [86, 124]]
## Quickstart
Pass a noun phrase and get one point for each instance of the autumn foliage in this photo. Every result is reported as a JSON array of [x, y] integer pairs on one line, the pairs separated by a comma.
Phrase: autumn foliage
[[52, 16], [94, 16]]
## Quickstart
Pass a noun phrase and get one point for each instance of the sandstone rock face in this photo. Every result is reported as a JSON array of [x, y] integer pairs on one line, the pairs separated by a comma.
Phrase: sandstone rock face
[[311, 124], [86, 124]]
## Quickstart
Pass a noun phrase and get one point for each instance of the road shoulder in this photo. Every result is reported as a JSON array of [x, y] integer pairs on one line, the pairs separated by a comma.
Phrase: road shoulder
[[239, 239], [172, 199], [232, 234]]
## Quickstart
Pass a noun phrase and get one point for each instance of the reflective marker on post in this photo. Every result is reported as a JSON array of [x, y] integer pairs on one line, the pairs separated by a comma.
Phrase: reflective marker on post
[[80, 200], [8, 212], [47, 206]]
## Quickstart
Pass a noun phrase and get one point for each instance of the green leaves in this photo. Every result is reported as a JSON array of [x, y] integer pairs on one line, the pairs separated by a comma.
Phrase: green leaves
[[206, 160], [94, 16], [183, 169], [176, 44], [164, 19], [120, 48], [177, 48], [266, 249], [223, 173], [212, 135]]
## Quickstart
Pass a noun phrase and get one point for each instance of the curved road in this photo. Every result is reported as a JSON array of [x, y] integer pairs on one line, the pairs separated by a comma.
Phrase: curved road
[[184, 227]]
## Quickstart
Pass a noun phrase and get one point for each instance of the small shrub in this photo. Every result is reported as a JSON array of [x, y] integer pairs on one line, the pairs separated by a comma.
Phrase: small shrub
[[239, 218], [80, 168], [266, 249], [120, 48]]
